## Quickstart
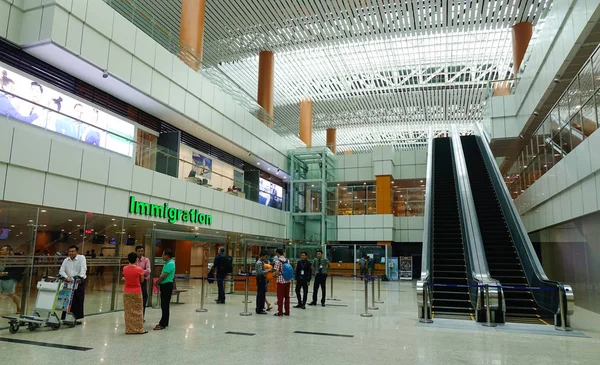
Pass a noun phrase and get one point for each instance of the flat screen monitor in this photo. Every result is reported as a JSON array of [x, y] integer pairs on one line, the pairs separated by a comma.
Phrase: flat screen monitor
[[99, 239], [270, 194], [130, 241], [4, 233]]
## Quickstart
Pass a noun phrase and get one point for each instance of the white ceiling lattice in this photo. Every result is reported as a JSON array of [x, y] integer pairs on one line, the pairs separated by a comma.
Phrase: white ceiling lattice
[[374, 68]]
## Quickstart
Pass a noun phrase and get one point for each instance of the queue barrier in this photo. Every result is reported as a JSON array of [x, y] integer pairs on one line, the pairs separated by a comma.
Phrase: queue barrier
[[366, 278]]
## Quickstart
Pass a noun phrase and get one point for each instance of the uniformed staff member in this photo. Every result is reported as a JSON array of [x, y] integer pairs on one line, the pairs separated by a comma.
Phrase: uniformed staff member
[[320, 267], [261, 283]]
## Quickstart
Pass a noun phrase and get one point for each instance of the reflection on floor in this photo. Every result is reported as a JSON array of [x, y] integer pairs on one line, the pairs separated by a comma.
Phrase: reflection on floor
[[222, 335]]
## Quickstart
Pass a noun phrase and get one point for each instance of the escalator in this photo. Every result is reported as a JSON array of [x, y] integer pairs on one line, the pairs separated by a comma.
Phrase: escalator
[[449, 264], [501, 253]]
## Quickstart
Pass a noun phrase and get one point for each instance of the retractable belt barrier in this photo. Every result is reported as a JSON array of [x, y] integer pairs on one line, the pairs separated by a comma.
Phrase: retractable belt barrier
[[366, 278], [511, 287]]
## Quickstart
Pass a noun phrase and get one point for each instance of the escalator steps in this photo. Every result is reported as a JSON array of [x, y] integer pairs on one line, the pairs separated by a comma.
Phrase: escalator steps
[[503, 260]]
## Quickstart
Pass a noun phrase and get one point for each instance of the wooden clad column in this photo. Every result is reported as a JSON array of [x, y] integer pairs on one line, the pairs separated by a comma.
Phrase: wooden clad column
[[521, 35], [383, 189], [331, 137], [306, 122], [191, 32], [266, 74]]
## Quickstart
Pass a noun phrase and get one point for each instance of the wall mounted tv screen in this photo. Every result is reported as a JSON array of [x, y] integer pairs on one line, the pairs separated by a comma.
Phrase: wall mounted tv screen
[[270, 194]]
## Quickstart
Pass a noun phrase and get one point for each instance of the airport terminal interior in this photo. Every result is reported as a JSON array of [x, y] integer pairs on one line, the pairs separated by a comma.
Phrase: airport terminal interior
[[437, 162]]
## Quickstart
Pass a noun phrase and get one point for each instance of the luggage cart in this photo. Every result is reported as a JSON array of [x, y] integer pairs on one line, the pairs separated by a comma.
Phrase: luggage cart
[[54, 295]]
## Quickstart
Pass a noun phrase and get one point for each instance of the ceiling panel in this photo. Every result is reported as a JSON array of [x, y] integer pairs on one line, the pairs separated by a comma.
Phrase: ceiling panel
[[373, 68]]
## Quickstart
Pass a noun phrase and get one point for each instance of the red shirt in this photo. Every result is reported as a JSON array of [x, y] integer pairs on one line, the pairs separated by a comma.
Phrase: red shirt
[[132, 279]]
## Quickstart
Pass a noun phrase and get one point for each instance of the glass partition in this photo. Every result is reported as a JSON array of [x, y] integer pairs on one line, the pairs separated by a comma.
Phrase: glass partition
[[571, 120]]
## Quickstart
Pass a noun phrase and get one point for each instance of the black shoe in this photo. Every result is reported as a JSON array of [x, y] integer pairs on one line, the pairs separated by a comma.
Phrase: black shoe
[[298, 306], [263, 312], [220, 302], [278, 315], [78, 323], [286, 314], [312, 303], [322, 304], [303, 307]]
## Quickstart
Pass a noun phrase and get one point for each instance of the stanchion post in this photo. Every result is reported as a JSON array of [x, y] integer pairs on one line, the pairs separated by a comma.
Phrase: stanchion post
[[366, 313], [246, 301], [245, 313], [202, 309], [373, 307], [488, 310], [379, 291]]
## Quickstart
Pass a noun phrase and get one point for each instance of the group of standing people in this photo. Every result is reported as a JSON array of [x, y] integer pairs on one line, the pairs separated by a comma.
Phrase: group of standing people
[[303, 274], [135, 294]]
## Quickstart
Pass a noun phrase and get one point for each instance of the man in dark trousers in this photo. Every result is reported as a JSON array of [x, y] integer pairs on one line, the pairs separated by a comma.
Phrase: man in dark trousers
[[75, 267], [222, 269], [303, 276], [320, 267], [261, 283], [144, 263]]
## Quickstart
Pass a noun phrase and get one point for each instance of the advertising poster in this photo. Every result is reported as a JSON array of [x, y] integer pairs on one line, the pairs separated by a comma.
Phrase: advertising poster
[[204, 166], [406, 268], [393, 268], [28, 101]]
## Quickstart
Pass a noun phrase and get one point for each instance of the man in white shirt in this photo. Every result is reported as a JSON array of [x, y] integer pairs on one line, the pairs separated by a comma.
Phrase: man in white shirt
[[75, 266]]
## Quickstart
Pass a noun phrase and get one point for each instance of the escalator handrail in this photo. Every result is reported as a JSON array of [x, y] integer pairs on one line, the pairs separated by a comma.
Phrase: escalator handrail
[[532, 266], [426, 264], [478, 274]]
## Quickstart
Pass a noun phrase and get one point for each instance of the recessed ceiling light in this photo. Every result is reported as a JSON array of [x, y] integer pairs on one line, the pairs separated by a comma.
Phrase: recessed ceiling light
[[31, 221], [112, 219], [70, 220], [43, 210], [258, 163], [12, 226], [269, 169], [79, 225]]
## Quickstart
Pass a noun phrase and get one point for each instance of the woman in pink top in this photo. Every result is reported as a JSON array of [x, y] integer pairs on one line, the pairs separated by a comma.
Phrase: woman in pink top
[[132, 297]]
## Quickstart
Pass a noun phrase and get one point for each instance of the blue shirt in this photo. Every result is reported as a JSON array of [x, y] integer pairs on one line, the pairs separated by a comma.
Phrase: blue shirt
[[6, 108]]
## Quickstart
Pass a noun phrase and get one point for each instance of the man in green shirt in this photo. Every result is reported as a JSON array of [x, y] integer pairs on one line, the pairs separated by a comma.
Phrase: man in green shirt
[[165, 283]]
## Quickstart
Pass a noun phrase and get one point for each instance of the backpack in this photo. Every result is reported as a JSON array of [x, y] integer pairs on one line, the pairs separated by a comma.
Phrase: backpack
[[288, 271], [225, 265], [363, 263]]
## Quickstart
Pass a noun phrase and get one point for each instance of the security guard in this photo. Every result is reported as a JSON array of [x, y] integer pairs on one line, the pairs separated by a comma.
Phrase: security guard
[[320, 267]]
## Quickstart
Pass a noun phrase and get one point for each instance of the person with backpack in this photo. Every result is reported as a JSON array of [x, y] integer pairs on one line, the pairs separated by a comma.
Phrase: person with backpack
[[363, 264], [321, 267], [284, 273], [223, 265]]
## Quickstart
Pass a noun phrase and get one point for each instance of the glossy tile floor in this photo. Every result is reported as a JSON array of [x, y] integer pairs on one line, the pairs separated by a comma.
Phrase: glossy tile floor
[[391, 336]]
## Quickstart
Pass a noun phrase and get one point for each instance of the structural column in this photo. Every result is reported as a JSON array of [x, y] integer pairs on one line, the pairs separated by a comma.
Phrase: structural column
[[266, 70], [383, 189], [521, 35], [191, 32], [306, 122], [331, 137]]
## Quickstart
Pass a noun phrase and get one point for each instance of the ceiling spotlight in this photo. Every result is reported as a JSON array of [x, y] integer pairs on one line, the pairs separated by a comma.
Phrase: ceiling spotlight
[[43, 210], [258, 163], [536, 113]]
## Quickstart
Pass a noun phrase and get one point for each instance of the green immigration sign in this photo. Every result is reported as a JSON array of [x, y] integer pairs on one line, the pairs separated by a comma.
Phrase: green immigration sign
[[171, 214]]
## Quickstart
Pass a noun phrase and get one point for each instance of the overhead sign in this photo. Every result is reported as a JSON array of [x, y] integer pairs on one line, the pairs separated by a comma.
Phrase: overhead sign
[[172, 215]]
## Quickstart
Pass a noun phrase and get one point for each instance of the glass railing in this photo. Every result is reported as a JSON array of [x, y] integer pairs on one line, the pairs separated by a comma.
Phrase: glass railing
[[148, 23], [572, 119], [146, 152]]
